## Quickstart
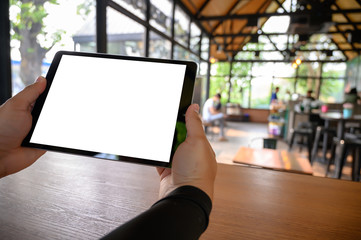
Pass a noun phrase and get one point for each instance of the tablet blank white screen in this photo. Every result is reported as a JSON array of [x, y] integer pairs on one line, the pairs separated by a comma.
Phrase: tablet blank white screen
[[112, 106]]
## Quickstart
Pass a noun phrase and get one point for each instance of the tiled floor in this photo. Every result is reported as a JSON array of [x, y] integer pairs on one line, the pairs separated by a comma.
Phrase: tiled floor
[[251, 134]]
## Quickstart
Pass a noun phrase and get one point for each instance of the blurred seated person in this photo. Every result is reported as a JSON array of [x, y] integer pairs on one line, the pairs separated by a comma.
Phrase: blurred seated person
[[351, 96], [218, 106], [211, 114], [309, 95]]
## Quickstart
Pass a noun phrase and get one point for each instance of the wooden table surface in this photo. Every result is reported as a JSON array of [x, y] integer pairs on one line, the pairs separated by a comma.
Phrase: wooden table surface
[[70, 197], [281, 160]]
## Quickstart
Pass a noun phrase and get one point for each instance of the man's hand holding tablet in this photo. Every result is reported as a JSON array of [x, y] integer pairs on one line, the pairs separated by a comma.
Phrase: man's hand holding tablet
[[186, 189], [113, 107]]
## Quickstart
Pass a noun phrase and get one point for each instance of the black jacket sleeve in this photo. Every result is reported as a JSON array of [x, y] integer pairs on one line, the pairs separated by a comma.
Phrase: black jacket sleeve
[[183, 214]]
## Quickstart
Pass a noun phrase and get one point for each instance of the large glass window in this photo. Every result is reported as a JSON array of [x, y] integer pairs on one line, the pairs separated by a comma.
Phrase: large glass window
[[161, 15], [245, 92], [204, 47], [37, 34], [286, 87], [332, 86], [220, 69], [283, 70], [244, 55], [332, 90], [138, 7], [241, 69], [261, 92], [236, 90], [125, 36], [263, 69], [302, 86], [309, 72], [203, 66], [219, 85], [158, 46], [180, 53], [195, 38], [181, 26], [194, 58]]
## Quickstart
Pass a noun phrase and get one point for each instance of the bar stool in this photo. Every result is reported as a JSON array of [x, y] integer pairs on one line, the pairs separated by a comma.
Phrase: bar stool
[[345, 146], [303, 132], [307, 129], [320, 130]]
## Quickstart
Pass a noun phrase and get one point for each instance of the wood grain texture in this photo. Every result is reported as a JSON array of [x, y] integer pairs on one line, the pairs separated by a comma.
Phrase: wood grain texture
[[255, 203], [70, 197]]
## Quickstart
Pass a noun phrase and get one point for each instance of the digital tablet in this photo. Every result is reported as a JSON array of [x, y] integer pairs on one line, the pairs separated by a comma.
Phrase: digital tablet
[[113, 107]]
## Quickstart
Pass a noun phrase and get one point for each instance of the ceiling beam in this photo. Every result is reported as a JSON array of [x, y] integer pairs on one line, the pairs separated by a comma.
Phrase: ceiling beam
[[199, 12], [359, 2], [347, 23], [192, 17], [275, 46], [258, 15], [338, 46], [280, 5], [241, 30], [353, 25], [309, 43], [296, 50], [347, 18], [228, 12], [283, 61], [277, 34]]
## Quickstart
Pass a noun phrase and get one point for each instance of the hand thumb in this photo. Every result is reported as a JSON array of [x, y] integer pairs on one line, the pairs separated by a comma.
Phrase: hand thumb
[[193, 122], [28, 96]]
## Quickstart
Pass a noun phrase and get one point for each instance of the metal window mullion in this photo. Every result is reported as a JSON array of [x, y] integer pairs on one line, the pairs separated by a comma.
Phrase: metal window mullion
[[172, 31], [296, 80], [5, 59], [318, 93], [189, 34], [229, 81], [200, 44], [124, 11], [208, 82], [147, 31], [101, 26], [250, 87]]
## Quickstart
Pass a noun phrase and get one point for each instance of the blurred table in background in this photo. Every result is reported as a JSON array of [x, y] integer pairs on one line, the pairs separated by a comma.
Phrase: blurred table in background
[[280, 160]]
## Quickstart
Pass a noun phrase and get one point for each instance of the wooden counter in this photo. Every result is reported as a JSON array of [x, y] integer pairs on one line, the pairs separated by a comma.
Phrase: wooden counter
[[70, 197]]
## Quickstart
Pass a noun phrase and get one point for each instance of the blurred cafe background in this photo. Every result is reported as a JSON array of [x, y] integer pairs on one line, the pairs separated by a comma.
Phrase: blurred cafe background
[[309, 50]]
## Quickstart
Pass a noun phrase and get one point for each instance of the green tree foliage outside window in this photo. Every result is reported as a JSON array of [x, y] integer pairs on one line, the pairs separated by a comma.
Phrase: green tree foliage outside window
[[28, 28], [332, 88], [239, 84]]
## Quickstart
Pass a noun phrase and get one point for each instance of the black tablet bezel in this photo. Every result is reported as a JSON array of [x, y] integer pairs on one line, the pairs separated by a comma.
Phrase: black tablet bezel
[[185, 101]]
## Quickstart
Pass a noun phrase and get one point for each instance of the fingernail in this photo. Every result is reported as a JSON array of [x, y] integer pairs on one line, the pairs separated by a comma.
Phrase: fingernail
[[38, 79], [196, 108]]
